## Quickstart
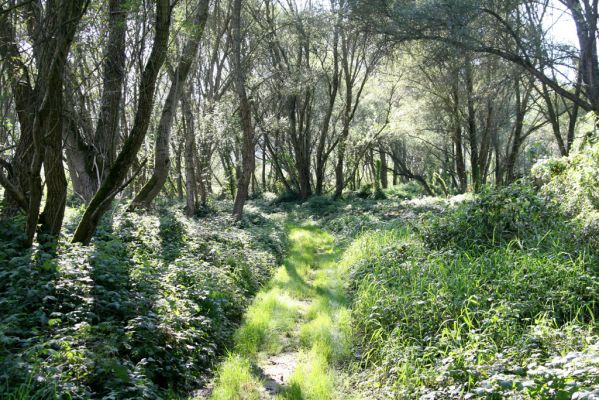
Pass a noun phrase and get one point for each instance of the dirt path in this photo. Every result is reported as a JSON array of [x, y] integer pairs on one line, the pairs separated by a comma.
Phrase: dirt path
[[295, 331]]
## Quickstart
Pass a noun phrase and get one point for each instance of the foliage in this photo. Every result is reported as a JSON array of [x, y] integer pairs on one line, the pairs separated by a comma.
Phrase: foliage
[[404, 191], [574, 181], [448, 323], [496, 217], [301, 313], [236, 381], [143, 311]]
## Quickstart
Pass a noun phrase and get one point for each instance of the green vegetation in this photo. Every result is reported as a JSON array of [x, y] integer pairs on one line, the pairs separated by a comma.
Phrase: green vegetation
[[496, 297], [301, 312], [141, 313], [299, 199], [488, 296]]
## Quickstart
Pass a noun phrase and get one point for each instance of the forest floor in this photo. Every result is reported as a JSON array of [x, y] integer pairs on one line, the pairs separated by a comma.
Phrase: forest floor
[[296, 330]]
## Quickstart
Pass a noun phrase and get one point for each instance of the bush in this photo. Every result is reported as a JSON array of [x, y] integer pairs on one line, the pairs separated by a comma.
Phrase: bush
[[405, 191], [365, 191], [454, 324], [574, 183], [496, 217]]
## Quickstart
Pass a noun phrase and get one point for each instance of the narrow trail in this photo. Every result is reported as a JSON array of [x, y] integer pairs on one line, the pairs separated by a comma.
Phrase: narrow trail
[[295, 331]]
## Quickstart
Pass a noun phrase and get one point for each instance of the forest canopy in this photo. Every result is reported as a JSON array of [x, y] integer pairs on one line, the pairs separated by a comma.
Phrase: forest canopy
[[197, 97]]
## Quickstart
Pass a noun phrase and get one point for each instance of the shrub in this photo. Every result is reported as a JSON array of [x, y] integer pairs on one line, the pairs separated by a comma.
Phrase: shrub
[[455, 324], [496, 217], [574, 183]]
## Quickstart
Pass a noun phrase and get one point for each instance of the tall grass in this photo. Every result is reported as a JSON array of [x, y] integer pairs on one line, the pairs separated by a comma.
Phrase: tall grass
[[453, 321]]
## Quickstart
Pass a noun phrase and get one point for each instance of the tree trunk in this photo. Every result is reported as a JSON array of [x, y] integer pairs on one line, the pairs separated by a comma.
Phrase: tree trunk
[[339, 179], [472, 134], [106, 135], [89, 162], [48, 123], [384, 168], [17, 181], [517, 136], [179, 168], [248, 153], [321, 153], [111, 186], [189, 152], [458, 144], [162, 148]]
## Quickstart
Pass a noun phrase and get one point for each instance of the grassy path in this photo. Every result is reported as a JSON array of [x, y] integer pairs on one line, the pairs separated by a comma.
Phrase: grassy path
[[297, 328]]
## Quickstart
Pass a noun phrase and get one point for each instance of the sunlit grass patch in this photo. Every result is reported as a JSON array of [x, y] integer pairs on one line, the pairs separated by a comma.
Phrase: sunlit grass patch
[[235, 381], [268, 321], [307, 287], [330, 332], [441, 322], [312, 379]]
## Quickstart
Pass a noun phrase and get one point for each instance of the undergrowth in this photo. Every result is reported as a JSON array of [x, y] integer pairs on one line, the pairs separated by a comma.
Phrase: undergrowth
[[142, 312], [495, 297]]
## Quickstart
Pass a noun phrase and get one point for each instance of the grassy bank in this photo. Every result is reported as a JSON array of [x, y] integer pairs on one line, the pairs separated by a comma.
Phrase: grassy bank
[[494, 298]]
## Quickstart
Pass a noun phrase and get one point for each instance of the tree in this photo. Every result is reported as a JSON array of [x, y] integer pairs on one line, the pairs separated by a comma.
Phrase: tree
[[114, 181], [178, 81], [40, 110], [91, 154], [245, 114], [510, 30]]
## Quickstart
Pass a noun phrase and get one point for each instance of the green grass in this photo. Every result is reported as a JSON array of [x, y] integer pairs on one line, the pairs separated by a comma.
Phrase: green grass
[[268, 321], [456, 321], [303, 310], [312, 379], [236, 381]]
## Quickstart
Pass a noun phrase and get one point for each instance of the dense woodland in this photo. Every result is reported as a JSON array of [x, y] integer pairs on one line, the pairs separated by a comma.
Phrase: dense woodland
[[299, 199]]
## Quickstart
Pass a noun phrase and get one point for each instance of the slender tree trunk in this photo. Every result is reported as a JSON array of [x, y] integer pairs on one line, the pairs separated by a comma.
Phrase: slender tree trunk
[[162, 148], [458, 144], [384, 168], [111, 186], [248, 151], [339, 178], [321, 153], [264, 183], [517, 136], [472, 134], [179, 168], [106, 136], [189, 152]]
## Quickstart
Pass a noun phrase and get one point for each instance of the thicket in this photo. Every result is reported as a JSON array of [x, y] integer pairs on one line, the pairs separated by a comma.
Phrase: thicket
[[496, 297], [141, 313]]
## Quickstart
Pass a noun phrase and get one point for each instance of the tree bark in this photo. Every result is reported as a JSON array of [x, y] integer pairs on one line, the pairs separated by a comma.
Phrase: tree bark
[[248, 153], [189, 153], [321, 153], [472, 133], [384, 168], [162, 147], [111, 186], [60, 22]]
